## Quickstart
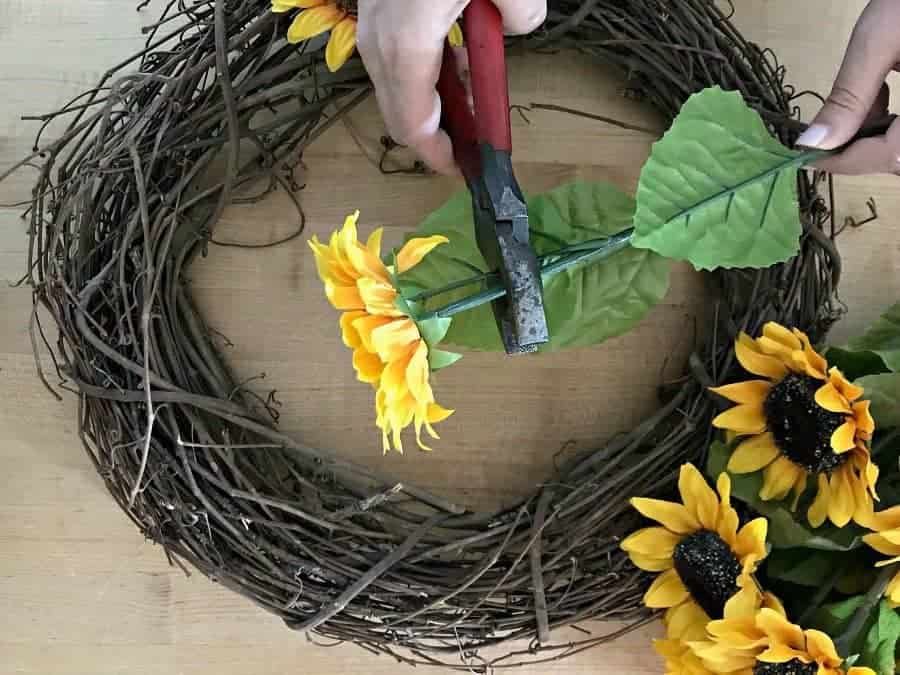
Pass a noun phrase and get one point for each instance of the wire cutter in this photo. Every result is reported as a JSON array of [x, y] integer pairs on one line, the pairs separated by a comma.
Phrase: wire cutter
[[482, 145]]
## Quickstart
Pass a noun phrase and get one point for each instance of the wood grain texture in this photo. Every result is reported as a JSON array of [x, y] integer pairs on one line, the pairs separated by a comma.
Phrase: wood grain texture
[[83, 593]]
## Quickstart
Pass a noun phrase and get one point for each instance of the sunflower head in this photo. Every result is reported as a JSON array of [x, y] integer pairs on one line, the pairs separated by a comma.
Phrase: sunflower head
[[699, 549], [389, 351], [803, 421]]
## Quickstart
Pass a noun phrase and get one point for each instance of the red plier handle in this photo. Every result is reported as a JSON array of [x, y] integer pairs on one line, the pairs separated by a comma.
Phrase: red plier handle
[[483, 28]]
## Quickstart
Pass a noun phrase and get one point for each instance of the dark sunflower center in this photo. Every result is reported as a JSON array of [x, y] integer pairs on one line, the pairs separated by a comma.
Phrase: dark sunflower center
[[801, 427], [792, 667], [708, 569]]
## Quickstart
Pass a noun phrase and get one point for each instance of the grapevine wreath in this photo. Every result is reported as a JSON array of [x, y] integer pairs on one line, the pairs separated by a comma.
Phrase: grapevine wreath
[[229, 93]]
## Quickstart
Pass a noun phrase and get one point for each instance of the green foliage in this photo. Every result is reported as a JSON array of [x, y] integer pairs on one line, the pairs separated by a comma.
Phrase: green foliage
[[880, 643], [882, 338], [884, 393], [833, 619], [786, 529], [584, 306], [855, 364], [718, 190]]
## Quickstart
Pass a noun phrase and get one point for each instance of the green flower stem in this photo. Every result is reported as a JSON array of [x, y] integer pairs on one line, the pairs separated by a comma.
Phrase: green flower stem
[[567, 258], [845, 642]]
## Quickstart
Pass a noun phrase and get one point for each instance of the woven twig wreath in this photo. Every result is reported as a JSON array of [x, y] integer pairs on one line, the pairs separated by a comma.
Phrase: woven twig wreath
[[120, 211]]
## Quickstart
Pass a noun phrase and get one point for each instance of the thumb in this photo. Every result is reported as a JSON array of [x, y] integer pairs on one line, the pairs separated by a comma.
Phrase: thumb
[[871, 55]]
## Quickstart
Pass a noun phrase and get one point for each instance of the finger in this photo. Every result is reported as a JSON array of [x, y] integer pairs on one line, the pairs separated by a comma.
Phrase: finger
[[871, 55], [521, 17], [879, 109], [870, 155]]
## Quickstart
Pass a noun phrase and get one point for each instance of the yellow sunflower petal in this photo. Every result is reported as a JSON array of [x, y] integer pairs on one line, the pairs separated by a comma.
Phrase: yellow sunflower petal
[[366, 325], [367, 263], [343, 297], [778, 479], [842, 502], [649, 564], [393, 338], [349, 334], [753, 454], [415, 249], [379, 297], [750, 391], [844, 437], [817, 365], [780, 630], [822, 649], [746, 418], [417, 375], [373, 243], [722, 658], [455, 36], [314, 21], [883, 544], [728, 521], [665, 591], [755, 361], [778, 333], [698, 496], [893, 589], [656, 542], [287, 5], [848, 390], [393, 380], [776, 349], [743, 604], [860, 670], [367, 365], [674, 517], [888, 519], [341, 44], [888, 561], [437, 414], [780, 653], [770, 601], [828, 397], [818, 510], [799, 489], [686, 621], [751, 539], [865, 424]]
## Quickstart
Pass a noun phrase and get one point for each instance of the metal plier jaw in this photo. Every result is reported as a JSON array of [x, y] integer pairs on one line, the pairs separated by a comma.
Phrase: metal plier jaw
[[482, 145]]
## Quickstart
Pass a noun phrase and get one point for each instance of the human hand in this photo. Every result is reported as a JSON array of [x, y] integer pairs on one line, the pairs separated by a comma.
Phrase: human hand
[[860, 95], [401, 43]]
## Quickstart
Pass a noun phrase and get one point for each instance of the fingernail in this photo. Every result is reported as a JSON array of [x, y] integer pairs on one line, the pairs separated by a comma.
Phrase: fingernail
[[813, 136]]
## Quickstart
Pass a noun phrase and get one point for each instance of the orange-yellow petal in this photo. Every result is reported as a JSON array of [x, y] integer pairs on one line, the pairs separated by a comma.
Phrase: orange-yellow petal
[[822, 649], [865, 424], [367, 264], [393, 338], [343, 297], [754, 454], [341, 44], [754, 361], [666, 591], [437, 414], [777, 333], [751, 539], [366, 325], [828, 397], [649, 564], [842, 502], [844, 437], [750, 391], [779, 629], [886, 545], [778, 479], [367, 365], [817, 366], [349, 334], [686, 621], [415, 249], [373, 243], [656, 542], [818, 510], [671, 515], [314, 21], [378, 297], [698, 497], [417, 375], [393, 380], [279, 6], [745, 418], [848, 390]]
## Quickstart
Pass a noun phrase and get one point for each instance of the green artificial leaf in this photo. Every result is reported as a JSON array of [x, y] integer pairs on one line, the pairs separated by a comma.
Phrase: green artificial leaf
[[882, 338], [855, 364], [801, 566], [434, 330], [880, 642], [884, 393], [833, 618], [584, 306], [438, 358], [786, 530], [718, 190]]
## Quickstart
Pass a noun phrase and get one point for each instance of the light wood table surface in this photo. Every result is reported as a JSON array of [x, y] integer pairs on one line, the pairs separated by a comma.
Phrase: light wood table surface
[[82, 593]]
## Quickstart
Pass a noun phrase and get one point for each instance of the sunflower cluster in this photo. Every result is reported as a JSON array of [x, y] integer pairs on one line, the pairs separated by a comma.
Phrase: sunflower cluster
[[804, 430]]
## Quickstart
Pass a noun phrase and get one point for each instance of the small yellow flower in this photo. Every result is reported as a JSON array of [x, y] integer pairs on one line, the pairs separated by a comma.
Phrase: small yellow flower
[[803, 421], [700, 552], [886, 540], [388, 350], [337, 16]]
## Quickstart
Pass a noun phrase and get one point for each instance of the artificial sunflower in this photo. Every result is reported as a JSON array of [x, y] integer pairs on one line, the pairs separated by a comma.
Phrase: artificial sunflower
[[337, 16], [388, 350], [886, 540], [700, 552], [794, 650], [803, 421], [756, 638]]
